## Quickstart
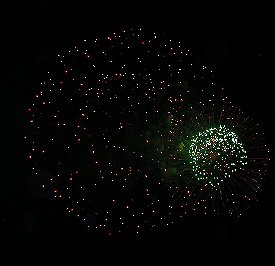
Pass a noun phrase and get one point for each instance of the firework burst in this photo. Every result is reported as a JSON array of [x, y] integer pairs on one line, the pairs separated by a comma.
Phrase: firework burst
[[216, 158], [112, 124]]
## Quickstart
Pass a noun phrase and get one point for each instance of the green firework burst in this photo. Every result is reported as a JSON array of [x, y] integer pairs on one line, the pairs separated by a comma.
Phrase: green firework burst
[[215, 154], [215, 158]]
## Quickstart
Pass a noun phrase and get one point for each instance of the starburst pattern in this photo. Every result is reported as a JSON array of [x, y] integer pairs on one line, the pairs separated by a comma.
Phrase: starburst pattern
[[216, 151], [108, 130], [216, 158]]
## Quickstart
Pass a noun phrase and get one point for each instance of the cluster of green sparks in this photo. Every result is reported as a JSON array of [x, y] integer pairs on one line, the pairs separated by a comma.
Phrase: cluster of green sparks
[[215, 153], [216, 158]]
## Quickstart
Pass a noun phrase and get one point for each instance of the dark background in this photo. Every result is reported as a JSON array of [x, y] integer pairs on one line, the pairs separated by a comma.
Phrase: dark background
[[237, 42]]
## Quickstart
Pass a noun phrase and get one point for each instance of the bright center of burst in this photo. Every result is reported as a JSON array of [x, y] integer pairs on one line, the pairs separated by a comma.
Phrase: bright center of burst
[[215, 154]]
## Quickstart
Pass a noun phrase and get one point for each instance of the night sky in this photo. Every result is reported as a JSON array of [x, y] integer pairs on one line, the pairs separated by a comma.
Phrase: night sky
[[237, 43]]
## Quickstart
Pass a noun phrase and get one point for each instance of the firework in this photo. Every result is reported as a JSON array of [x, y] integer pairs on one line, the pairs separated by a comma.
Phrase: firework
[[216, 158], [106, 121]]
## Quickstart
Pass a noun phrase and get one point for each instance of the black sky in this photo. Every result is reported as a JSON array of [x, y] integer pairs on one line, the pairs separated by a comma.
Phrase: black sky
[[237, 42]]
